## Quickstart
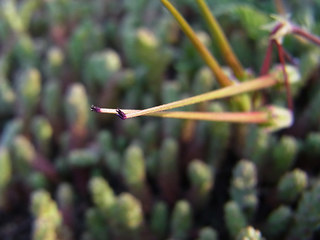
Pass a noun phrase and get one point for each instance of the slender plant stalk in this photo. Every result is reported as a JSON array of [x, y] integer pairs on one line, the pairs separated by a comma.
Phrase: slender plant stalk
[[299, 31], [203, 51], [221, 40], [267, 59], [259, 83], [232, 117], [285, 75]]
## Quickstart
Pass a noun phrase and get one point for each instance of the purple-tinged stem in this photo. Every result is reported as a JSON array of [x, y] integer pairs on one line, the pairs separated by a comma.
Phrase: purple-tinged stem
[[285, 75], [299, 31], [267, 60], [95, 109]]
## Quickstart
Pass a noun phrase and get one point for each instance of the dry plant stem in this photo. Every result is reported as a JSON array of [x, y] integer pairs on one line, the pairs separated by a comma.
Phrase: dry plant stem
[[203, 51], [267, 59], [299, 31], [285, 75], [233, 117], [259, 83], [221, 40]]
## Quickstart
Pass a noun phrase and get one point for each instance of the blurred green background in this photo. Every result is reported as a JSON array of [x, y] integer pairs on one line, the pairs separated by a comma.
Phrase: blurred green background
[[68, 173]]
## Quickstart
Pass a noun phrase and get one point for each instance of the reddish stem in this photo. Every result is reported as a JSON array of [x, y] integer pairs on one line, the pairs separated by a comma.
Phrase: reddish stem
[[285, 75], [267, 60], [299, 31]]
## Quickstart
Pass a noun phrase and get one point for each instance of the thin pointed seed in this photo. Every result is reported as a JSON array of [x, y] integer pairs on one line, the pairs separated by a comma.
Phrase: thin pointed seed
[[203, 51], [259, 83], [221, 40], [232, 117]]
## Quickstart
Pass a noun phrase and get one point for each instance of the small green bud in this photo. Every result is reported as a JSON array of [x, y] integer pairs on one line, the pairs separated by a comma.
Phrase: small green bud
[[42, 132], [96, 224], [11, 15], [292, 184], [24, 52], [82, 158], [5, 172], [48, 218], [23, 154], [201, 177], [55, 59], [77, 107], [181, 221], [37, 181], [11, 129], [293, 76], [168, 156], [127, 214], [159, 219], [219, 135], [312, 144], [249, 233], [208, 233], [102, 195], [257, 145], [86, 39], [243, 185], [307, 216], [100, 67], [51, 101], [65, 195], [279, 118], [284, 153], [234, 218], [7, 98], [204, 81], [278, 221], [171, 92], [28, 90], [134, 167]]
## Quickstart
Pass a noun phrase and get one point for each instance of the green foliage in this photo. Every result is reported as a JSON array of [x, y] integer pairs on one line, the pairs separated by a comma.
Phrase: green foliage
[[100, 67], [159, 219], [47, 216], [77, 107], [249, 233], [243, 185], [127, 215], [306, 218], [181, 220], [134, 167], [234, 218], [28, 86], [103, 196], [292, 184], [201, 178], [114, 179], [5, 172], [208, 233], [278, 221], [284, 153], [23, 154]]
